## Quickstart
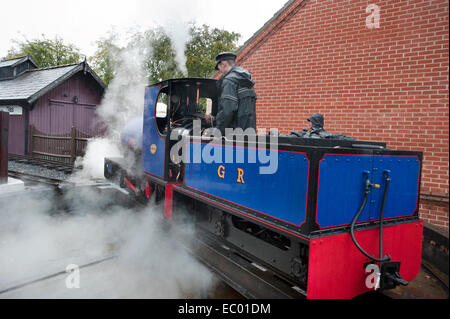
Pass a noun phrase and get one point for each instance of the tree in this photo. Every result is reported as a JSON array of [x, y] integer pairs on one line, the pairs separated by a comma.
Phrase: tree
[[160, 57], [104, 60], [203, 47], [154, 49], [46, 52], [151, 48], [161, 63]]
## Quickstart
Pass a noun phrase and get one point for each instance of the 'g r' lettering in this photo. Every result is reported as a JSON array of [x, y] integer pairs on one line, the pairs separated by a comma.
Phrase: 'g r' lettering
[[240, 178], [221, 171]]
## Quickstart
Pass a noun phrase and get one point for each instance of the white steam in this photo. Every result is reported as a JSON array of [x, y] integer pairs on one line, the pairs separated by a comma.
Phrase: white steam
[[123, 100], [150, 263], [124, 97], [178, 31], [96, 150]]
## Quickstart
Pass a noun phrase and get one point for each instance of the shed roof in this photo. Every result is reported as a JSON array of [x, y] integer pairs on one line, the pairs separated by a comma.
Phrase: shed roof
[[9, 62], [18, 60], [28, 87]]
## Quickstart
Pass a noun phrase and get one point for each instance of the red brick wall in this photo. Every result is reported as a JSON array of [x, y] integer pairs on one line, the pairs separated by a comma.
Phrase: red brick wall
[[383, 84]]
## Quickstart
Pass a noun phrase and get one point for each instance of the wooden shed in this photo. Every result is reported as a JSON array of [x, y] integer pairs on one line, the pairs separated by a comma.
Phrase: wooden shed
[[52, 110]]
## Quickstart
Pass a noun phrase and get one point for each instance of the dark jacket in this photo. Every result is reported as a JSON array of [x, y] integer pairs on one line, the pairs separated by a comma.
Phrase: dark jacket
[[317, 130], [237, 100]]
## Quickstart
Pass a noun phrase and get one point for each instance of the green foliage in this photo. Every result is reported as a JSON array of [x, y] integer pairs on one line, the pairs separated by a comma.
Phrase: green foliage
[[46, 52], [203, 47], [104, 60], [154, 46], [160, 62]]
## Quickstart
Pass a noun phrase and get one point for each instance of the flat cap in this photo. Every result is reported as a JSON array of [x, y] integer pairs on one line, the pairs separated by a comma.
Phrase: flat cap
[[316, 119], [224, 56]]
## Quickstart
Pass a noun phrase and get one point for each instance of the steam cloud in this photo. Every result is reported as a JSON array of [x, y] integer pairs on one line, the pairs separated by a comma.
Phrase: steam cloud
[[123, 100], [150, 263], [179, 33]]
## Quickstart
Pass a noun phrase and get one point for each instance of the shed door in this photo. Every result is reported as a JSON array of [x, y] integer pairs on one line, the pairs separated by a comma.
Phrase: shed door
[[61, 118], [16, 136], [84, 119]]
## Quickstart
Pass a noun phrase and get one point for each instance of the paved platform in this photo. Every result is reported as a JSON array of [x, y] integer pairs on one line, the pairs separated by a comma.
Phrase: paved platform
[[110, 280], [13, 185], [424, 286]]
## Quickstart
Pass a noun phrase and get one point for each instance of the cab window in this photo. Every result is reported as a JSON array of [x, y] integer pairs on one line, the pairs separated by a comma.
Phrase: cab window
[[161, 111]]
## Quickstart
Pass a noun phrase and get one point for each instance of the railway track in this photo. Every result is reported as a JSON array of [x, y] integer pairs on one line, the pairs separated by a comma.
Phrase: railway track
[[49, 164], [436, 274], [31, 177], [36, 179], [53, 275]]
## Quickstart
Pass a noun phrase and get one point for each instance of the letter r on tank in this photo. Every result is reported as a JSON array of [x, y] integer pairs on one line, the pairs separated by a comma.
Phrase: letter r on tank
[[240, 178]]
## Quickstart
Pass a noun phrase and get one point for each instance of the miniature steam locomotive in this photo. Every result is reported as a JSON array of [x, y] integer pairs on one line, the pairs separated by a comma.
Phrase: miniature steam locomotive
[[317, 211]]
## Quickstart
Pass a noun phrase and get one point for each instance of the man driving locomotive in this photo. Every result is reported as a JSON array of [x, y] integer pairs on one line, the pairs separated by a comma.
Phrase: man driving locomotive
[[185, 107], [237, 97]]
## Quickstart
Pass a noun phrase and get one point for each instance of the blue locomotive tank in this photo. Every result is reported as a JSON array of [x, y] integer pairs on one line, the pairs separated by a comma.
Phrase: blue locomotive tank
[[131, 134]]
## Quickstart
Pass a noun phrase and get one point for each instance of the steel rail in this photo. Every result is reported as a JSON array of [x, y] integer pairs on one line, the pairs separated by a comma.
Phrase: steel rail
[[50, 164], [30, 282], [37, 178]]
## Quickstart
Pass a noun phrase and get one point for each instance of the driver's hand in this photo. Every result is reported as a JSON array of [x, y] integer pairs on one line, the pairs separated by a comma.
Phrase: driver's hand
[[211, 132]]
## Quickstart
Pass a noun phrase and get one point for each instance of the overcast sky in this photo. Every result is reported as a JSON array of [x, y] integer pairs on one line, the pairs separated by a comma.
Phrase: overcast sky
[[82, 22]]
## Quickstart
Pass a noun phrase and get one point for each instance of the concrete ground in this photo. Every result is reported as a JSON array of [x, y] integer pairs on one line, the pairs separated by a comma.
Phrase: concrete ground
[[424, 286], [100, 281]]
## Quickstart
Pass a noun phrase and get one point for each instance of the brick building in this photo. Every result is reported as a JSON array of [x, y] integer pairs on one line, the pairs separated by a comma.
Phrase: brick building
[[376, 70]]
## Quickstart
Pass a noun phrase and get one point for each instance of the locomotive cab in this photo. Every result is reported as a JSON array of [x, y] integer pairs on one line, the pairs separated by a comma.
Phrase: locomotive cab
[[173, 105], [181, 101]]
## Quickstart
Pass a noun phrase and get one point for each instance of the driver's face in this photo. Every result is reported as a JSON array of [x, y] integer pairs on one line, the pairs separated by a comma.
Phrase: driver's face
[[224, 67]]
